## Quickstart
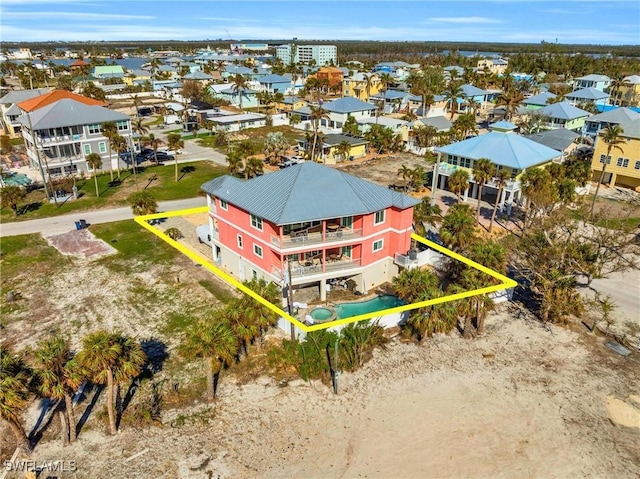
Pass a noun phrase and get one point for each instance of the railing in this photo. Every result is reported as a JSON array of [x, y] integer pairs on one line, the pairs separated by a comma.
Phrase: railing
[[404, 260], [304, 239], [45, 140], [510, 185], [299, 271]]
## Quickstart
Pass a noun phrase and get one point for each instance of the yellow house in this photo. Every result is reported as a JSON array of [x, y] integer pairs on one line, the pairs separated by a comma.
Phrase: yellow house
[[136, 77], [290, 104], [331, 150], [629, 92], [356, 85], [623, 167]]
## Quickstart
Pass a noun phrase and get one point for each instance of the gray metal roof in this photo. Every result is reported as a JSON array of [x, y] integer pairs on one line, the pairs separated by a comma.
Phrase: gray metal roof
[[616, 115], [563, 111], [502, 148], [348, 104], [333, 139], [306, 192], [470, 90], [587, 94], [631, 129], [440, 123], [22, 95], [539, 99], [558, 139], [69, 112], [594, 77]]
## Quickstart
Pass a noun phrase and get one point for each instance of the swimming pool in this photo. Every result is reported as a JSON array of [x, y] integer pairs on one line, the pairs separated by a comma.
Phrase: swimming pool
[[322, 315], [348, 310]]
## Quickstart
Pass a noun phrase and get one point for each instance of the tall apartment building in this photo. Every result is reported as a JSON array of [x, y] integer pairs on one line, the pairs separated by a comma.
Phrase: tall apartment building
[[321, 54]]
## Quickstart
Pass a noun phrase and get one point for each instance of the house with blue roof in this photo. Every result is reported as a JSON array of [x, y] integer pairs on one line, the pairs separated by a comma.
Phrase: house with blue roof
[[588, 95], [198, 76], [309, 225], [505, 148], [249, 73], [275, 83], [233, 95], [342, 108], [538, 101], [599, 82], [616, 116], [564, 115], [473, 94]]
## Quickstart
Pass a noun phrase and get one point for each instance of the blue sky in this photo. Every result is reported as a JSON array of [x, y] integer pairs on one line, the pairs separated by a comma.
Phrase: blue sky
[[568, 21]]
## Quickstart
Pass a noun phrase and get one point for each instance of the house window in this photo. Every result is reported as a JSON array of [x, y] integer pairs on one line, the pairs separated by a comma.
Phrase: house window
[[377, 245], [122, 125], [379, 217], [87, 149], [257, 250], [224, 205], [608, 158], [622, 162], [102, 146], [637, 165], [239, 238], [256, 222], [94, 129]]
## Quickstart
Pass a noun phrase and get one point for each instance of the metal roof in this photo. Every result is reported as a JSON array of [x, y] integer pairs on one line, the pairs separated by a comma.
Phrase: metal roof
[[502, 148], [470, 90], [594, 77], [631, 129], [440, 123], [558, 139], [70, 113], [236, 118], [197, 75], [617, 115], [348, 105], [22, 95], [273, 78], [588, 94], [306, 192], [539, 99], [563, 111], [632, 79], [334, 139], [502, 125]]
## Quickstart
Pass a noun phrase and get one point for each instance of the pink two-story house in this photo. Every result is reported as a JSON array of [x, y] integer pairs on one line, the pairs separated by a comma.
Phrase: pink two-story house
[[318, 223]]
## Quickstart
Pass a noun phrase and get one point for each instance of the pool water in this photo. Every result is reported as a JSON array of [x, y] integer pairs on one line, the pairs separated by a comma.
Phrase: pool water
[[322, 314], [347, 310]]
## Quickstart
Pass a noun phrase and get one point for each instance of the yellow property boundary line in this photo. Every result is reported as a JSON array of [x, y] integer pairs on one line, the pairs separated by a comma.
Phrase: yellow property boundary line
[[504, 281]]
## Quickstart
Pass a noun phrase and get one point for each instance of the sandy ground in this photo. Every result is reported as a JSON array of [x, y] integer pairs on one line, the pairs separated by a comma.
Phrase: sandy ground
[[522, 401]]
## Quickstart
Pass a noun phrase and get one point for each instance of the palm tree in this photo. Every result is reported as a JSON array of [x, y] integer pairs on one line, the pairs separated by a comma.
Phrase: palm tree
[[459, 182], [425, 213], [99, 355], [417, 178], [142, 203], [14, 394], [458, 227], [11, 195], [451, 95], [405, 172], [343, 149], [239, 84], [317, 114], [234, 159], [253, 166], [612, 136], [59, 377], [175, 142], [119, 144], [94, 161], [214, 341], [482, 172], [155, 144], [139, 127], [511, 99], [368, 83], [500, 178], [130, 364], [109, 130]]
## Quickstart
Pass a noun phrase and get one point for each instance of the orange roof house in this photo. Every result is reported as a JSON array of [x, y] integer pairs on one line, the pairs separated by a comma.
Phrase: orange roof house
[[331, 74], [79, 64], [54, 96]]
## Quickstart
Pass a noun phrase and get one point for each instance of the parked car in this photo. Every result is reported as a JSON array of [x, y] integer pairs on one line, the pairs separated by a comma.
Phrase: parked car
[[292, 160], [204, 234], [162, 156]]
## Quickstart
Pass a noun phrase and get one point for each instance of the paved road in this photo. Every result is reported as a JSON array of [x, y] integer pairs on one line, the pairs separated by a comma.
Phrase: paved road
[[64, 223]]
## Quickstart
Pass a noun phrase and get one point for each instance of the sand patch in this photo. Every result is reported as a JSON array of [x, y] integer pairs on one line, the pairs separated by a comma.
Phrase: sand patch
[[623, 414], [81, 243]]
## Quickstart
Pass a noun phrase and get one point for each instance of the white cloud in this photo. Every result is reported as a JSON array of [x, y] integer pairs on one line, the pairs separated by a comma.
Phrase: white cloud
[[74, 16], [466, 20]]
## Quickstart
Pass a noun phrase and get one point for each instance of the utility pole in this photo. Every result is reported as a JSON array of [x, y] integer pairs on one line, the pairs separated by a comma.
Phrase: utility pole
[[434, 179]]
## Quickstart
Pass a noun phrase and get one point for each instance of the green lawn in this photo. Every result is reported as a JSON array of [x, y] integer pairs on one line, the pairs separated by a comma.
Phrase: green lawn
[[159, 180]]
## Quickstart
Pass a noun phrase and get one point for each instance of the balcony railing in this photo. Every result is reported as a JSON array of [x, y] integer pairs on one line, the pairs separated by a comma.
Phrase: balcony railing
[[299, 271], [405, 261], [49, 140], [303, 239]]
